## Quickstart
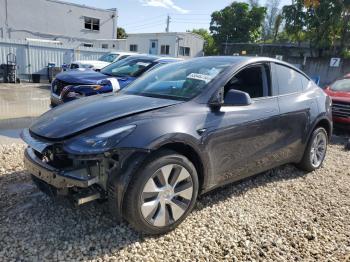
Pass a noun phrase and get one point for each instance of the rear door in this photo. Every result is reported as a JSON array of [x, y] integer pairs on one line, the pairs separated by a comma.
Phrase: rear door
[[297, 107]]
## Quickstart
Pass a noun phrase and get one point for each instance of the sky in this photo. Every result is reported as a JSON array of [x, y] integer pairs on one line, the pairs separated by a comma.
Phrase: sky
[[148, 16]]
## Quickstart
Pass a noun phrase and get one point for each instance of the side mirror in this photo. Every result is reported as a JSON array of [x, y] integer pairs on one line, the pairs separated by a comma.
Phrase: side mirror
[[237, 98]]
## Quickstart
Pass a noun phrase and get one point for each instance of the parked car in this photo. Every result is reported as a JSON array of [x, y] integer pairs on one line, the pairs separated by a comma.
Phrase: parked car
[[102, 62], [177, 132], [76, 84], [339, 91]]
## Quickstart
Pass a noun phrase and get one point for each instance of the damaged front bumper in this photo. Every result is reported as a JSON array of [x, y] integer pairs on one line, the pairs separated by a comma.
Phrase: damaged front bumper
[[58, 178]]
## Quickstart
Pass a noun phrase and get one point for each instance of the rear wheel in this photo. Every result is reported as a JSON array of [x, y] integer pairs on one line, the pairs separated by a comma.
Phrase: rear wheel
[[316, 149], [161, 194]]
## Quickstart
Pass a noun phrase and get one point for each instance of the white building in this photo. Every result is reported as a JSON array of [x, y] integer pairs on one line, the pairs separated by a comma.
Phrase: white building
[[56, 20], [183, 45]]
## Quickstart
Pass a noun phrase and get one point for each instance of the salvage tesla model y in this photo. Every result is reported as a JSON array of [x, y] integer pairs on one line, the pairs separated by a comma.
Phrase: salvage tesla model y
[[179, 131]]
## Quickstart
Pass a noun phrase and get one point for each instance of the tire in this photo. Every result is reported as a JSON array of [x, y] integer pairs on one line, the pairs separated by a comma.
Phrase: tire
[[308, 162], [159, 196]]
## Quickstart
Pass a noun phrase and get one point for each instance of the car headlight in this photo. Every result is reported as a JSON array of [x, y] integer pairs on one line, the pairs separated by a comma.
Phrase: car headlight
[[96, 144], [74, 94], [70, 90]]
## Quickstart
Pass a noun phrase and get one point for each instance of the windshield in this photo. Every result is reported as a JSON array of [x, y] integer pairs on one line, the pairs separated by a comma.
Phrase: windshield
[[341, 85], [127, 67], [179, 81], [108, 58]]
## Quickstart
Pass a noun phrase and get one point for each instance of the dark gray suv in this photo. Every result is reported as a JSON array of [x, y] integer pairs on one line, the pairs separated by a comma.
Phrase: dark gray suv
[[179, 131]]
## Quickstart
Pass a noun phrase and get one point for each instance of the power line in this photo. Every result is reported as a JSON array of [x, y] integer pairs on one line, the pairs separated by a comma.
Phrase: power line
[[194, 22], [145, 26], [191, 19], [145, 20], [189, 14], [141, 25]]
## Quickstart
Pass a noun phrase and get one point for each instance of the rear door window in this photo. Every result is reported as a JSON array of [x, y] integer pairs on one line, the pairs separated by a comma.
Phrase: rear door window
[[289, 80]]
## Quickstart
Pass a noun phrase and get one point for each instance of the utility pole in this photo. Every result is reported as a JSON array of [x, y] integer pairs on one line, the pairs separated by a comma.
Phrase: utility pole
[[167, 24]]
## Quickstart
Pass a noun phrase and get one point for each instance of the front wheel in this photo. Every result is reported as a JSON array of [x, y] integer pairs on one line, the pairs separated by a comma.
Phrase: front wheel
[[161, 194], [315, 152]]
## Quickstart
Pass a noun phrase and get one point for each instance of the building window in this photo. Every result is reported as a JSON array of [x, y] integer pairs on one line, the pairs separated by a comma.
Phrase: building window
[[104, 46], [165, 50], [92, 23], [184, 51], [133, 48], [88, 45]]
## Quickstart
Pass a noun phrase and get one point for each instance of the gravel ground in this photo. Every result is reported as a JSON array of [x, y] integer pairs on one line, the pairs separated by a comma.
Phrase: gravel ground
[[281, 215]]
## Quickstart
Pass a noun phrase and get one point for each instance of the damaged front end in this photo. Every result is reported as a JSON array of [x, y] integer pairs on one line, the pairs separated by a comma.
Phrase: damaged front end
[[83, 177]]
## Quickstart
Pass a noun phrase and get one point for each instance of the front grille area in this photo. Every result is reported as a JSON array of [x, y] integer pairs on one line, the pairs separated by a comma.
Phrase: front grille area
[[55, 157], [59, 85], [341, 109]]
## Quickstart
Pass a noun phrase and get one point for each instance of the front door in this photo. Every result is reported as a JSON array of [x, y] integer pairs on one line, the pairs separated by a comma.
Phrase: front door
[[153, 49], [243, 140]]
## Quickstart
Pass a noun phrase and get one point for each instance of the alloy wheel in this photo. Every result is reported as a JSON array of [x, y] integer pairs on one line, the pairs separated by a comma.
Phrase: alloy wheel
[[166, 195], [318, 149]]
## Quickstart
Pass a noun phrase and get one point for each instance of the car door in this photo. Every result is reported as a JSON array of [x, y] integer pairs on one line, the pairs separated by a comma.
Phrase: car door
[[298, 107], [240, 140]]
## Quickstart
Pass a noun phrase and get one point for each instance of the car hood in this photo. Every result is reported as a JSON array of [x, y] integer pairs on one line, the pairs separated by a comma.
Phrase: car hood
[[90, 77], [95, 63], [340, 96], [79, 115]]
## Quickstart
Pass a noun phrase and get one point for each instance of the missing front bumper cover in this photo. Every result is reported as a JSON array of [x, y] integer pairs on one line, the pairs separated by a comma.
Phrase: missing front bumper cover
[[55, 177]]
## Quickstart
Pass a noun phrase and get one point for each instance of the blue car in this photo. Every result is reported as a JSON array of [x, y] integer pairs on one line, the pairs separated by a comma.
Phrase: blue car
[[76, 84]]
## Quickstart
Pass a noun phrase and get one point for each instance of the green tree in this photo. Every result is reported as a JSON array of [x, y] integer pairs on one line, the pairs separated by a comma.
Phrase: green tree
[[295, 18], [210, 47], [121, 34], [277, 26], [273, 13], [324, 23], [237, 23]]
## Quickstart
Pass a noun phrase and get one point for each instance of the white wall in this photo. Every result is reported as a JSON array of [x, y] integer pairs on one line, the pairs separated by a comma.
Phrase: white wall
[[194, 42], [33, 58], [51, 19]]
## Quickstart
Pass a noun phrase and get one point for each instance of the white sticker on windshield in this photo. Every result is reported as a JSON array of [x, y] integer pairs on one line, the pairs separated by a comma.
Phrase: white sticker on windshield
[[205, 78], [142, 64]]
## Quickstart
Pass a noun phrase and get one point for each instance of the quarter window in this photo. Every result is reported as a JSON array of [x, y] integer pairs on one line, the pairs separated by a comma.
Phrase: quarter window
[[165, 50], [289, 80], [133, 48], [92, 23]]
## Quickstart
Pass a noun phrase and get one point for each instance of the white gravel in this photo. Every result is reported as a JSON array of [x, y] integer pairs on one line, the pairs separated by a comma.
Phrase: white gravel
[[282, 215]]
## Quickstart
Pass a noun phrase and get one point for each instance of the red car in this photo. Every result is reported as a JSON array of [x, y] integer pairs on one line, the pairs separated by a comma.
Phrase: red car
[[339, 91]]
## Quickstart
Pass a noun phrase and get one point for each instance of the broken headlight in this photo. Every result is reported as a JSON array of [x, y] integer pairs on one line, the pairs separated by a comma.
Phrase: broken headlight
[[99, 143]]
